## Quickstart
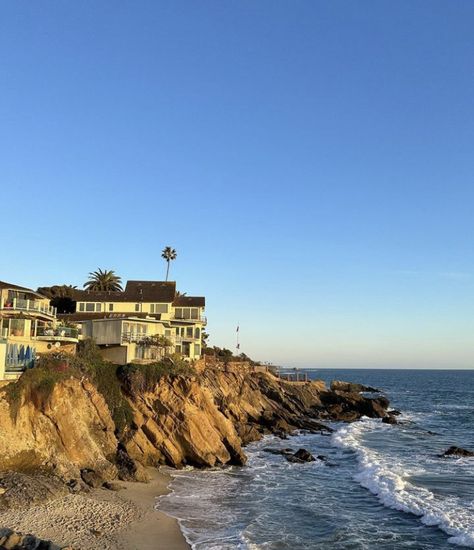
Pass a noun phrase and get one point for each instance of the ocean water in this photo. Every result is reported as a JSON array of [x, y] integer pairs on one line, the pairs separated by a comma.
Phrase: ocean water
[[382, 487]]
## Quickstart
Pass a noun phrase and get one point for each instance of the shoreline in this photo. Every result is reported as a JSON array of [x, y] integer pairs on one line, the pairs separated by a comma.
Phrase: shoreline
[[104, 520]]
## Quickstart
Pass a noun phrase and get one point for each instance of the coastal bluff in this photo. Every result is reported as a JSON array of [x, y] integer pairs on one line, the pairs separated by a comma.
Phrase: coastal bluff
[[71, 436]]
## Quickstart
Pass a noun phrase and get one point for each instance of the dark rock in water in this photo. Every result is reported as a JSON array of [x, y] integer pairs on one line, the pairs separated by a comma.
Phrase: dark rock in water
[[389, 420], [347, 406], [301, 456], [457, 451], [304, 455], [92, 478], [322, 458], [278, 451], [394, 412], [339, 385]]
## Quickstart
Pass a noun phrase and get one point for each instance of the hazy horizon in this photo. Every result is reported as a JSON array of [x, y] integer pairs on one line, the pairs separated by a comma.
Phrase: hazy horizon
[[310, 162]]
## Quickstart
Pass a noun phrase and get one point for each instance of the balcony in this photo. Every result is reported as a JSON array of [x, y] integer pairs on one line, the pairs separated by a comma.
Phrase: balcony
[[129, 336], [180, 339], [58, 334], [29, 306], [197, 319]]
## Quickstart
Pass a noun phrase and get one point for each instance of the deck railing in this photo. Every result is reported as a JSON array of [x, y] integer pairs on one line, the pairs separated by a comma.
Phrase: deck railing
[[34, 306], [57, 332]]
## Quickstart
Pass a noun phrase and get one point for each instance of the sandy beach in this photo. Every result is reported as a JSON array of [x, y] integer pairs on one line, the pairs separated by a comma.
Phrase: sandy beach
[[103, 519]]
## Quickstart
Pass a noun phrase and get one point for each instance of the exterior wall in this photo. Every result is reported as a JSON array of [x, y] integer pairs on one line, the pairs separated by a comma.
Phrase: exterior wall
[[126, 307], [115, 354]]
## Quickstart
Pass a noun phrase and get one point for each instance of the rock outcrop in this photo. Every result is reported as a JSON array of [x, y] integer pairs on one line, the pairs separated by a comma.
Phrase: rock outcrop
[[458, 451], [339, 385], [202, 420]]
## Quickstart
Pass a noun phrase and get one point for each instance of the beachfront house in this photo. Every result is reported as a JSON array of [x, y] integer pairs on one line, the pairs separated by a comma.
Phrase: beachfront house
[[29, 328], [141, 323]]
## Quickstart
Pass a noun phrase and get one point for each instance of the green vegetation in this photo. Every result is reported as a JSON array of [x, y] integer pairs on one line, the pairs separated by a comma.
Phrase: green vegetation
[[226, 356], [104, 376], [103, 280], [144, 378], [36, 385]]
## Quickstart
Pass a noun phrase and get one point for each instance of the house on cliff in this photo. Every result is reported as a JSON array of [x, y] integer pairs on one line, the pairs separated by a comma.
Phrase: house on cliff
[[29, 327], [140, 323]]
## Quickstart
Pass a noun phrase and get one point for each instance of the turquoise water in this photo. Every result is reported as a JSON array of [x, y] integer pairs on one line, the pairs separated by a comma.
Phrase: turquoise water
[[383, 487]]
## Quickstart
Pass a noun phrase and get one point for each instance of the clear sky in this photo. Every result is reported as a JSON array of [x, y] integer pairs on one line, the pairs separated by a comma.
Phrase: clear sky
[[312, 163]]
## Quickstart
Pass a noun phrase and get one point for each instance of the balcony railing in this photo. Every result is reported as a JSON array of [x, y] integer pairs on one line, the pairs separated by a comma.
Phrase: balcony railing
[[181, 339], [198, 319], [57, 333], [33, 306], [129, 336]]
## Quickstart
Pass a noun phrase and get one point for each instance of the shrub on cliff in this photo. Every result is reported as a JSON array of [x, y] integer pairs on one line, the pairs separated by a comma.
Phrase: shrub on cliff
[[36, 385], [143, 378], [104, 376]]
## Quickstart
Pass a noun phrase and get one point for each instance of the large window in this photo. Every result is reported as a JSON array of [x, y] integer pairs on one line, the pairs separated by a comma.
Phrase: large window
[[197, 349], [186, 313], [158, 308]]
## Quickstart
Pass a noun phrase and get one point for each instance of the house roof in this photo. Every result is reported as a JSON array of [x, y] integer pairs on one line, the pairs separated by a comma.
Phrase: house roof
[[10, 286], [135, 291], [189, 301]]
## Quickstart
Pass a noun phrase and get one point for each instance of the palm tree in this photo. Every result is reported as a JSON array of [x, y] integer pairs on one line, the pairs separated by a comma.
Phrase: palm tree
[[103, 280], [168, 254]]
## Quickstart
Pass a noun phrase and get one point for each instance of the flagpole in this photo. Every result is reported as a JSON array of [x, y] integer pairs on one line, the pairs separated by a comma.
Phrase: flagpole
[[237, 345]]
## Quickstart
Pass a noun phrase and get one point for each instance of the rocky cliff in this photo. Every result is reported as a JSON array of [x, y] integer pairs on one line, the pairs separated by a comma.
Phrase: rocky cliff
[[202, 419]]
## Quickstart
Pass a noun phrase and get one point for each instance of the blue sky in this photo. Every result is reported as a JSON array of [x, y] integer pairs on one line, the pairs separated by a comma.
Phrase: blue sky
[[310, 161]]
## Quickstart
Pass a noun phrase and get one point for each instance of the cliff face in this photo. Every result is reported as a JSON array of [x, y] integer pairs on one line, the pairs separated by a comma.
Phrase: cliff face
[[201, 420], [69, 431]]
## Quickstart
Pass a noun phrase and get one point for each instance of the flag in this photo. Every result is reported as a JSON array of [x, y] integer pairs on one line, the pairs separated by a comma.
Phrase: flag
[[237, 328]]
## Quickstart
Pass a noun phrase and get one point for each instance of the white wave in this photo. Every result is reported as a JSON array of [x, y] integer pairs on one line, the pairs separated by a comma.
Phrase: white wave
[[387, 479]]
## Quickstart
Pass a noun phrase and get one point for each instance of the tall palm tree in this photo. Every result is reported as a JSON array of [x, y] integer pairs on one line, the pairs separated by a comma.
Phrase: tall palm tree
[[169, 254], [103, 280]]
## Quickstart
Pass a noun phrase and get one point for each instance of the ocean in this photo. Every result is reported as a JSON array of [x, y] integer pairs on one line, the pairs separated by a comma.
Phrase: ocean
[[382, 487]]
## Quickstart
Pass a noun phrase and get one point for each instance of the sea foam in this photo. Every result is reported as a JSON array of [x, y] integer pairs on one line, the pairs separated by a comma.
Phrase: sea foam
[[387, 478]]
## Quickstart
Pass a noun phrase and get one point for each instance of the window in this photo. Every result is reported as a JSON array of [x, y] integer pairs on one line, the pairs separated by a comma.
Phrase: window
[[111, 307], [194, 313], [82, 306], [17, 327], [137, 307], [178, 313], [197, 333], [98, 307], [197, 349], [90, 306], [189, 332], [177, 331]]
